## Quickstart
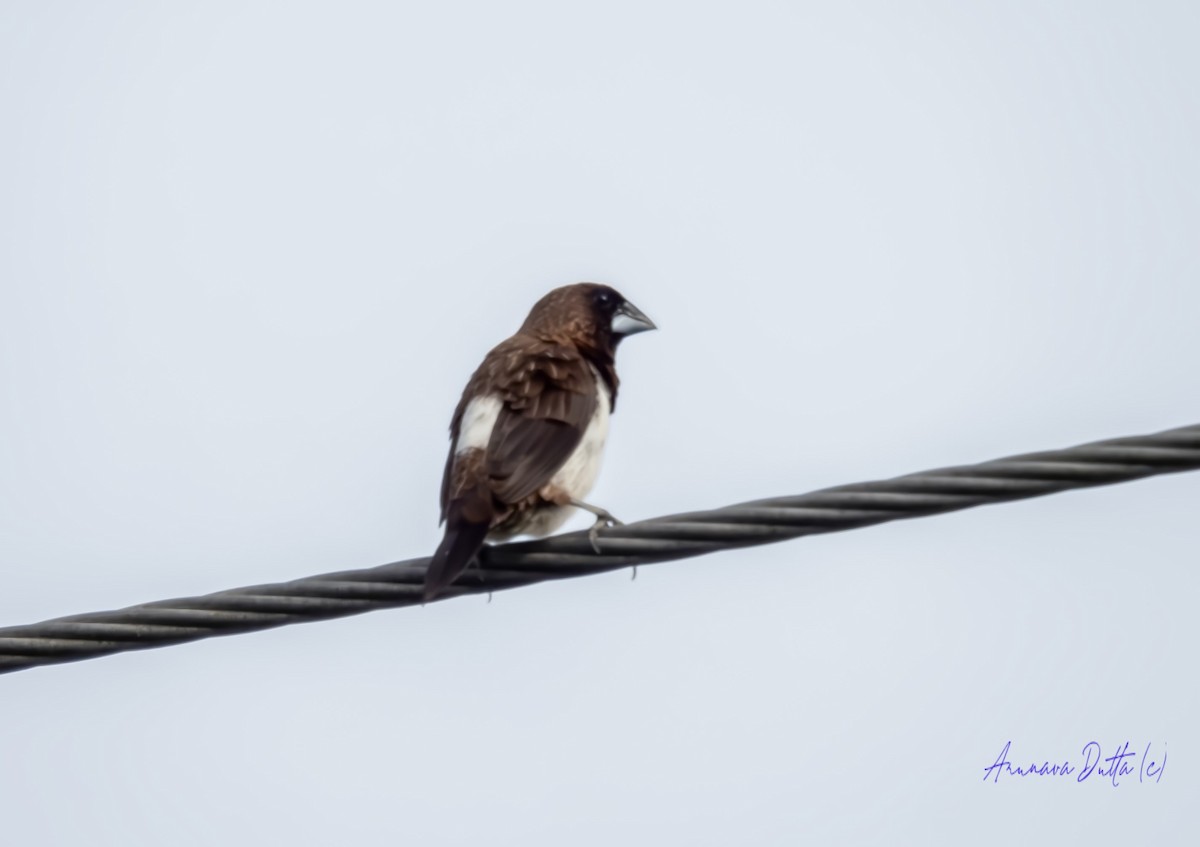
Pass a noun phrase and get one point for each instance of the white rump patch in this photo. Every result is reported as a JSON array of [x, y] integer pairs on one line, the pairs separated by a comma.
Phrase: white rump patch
[[478, 420]]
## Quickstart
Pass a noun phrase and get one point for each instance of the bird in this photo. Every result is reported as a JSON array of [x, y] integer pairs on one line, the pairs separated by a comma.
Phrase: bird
[[527, 437]]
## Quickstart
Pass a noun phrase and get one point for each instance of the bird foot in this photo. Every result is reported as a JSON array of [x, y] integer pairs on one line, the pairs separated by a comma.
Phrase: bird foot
[[603, 521]]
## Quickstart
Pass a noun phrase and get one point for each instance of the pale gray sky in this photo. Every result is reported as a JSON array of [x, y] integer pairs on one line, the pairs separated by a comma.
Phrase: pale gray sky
[[251, 251]]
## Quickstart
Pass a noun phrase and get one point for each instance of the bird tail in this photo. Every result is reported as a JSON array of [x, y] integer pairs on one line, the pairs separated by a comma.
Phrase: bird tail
[[463, 539]]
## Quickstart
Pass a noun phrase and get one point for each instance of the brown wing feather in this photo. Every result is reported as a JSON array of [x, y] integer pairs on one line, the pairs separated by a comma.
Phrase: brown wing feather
[[546, 410], [548, 392], [445, 496], [525, 453]]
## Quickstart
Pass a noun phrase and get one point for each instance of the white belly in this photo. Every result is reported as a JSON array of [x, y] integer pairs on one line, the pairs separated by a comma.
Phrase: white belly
[[578, 475]]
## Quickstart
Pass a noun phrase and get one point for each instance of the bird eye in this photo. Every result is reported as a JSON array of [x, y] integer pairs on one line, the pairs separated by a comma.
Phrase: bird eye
[[604, 298]]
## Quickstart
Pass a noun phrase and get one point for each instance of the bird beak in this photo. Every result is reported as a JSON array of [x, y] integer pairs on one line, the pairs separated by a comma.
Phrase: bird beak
[[630, 319]]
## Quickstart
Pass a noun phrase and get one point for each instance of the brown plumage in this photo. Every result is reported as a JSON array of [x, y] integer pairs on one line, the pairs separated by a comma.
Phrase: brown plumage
[[526, 438]]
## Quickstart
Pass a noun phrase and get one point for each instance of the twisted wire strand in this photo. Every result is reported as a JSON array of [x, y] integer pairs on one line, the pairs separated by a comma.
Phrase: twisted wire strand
[[343, 593]]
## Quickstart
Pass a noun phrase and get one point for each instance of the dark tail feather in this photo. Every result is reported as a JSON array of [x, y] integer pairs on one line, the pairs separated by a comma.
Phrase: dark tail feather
[[462, 541]]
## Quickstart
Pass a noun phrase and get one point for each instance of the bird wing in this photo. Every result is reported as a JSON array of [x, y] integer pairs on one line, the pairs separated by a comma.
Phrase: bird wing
[[547, 396], [545, 412]]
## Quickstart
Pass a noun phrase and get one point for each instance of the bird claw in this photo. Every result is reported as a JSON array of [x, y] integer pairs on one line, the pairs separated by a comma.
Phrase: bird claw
[[603, 521]]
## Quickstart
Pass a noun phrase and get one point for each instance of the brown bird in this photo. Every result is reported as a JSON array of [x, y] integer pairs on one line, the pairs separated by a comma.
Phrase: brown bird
[[528, 434]]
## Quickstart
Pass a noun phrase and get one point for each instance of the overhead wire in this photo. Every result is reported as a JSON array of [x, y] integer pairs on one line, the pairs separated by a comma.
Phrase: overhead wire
[[339, 594]]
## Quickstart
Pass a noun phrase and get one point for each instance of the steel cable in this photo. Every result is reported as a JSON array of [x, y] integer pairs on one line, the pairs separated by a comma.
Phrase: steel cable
[[663, 539]]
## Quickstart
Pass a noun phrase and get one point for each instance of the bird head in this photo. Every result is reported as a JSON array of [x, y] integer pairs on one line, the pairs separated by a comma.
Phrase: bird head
[[587, 314]]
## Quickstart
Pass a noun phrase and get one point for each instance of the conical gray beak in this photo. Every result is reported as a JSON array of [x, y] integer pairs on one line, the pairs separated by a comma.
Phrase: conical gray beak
[[630, 319]]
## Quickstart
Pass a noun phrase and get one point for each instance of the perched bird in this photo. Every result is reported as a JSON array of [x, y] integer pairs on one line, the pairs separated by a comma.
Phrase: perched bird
[[528, 434]]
